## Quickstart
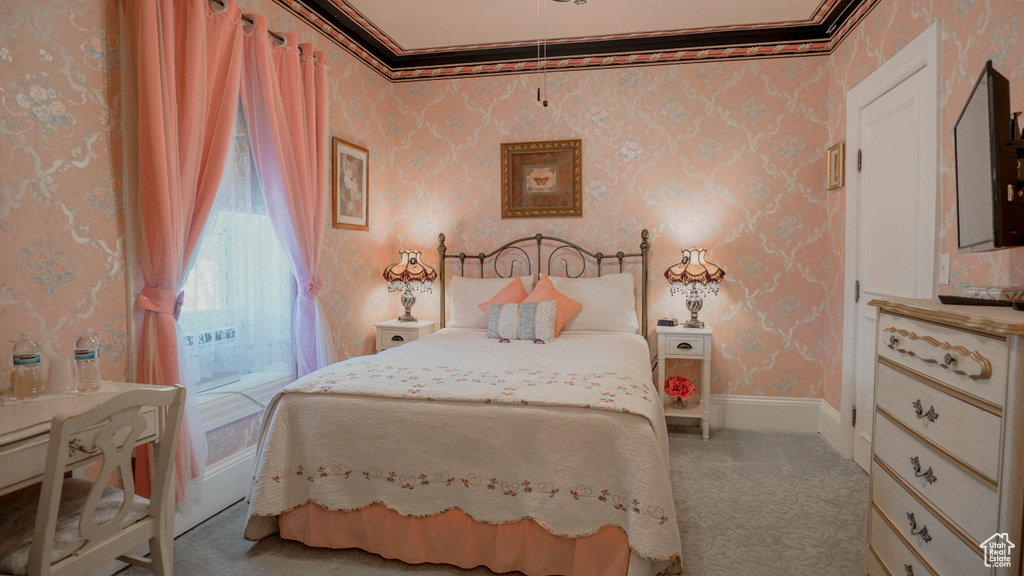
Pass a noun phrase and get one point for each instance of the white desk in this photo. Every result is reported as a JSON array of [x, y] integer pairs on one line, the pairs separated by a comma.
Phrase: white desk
[[25, 432]]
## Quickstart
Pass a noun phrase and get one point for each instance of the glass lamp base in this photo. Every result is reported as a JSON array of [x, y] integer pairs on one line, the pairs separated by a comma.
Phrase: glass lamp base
[[694, 304], [408, 300]]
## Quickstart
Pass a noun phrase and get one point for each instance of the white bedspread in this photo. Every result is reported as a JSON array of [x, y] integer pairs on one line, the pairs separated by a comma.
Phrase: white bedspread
[[568, 433]]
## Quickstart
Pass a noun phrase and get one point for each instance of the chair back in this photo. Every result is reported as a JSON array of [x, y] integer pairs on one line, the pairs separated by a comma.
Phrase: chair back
[[108, 432]]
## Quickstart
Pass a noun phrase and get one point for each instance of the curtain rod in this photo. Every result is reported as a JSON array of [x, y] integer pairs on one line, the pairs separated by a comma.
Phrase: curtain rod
[[220, 7]]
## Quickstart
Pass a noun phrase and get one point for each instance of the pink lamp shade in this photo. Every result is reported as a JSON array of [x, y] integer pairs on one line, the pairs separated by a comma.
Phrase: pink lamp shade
[[697, 278], [410, 273], [695, 274]]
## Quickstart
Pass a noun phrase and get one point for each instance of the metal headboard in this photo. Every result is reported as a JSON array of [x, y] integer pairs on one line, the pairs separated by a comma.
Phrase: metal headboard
[[539, 239]]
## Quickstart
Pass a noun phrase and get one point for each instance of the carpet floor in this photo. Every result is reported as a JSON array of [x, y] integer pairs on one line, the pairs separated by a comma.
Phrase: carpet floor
[[749, 504]]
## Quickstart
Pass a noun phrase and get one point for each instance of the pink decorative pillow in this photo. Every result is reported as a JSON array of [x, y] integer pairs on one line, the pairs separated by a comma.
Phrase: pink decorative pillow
[[567, 308], [514, 293]]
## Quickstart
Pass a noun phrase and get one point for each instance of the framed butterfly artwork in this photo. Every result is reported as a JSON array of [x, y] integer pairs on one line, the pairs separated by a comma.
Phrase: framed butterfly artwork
[[542, 179]]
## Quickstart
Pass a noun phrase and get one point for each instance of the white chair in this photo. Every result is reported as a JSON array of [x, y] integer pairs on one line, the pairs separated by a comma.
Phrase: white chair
[[81, 525]]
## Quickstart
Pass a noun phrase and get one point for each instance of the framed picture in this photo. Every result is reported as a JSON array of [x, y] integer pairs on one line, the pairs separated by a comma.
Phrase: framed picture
[[836, 159], [542, 179], [350, 185]]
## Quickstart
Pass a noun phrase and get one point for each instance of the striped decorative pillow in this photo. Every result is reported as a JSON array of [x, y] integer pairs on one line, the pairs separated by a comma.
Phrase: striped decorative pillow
[[526, 321]]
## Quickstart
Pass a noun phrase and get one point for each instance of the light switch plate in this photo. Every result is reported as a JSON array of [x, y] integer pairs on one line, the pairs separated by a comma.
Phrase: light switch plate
[[944, 269]]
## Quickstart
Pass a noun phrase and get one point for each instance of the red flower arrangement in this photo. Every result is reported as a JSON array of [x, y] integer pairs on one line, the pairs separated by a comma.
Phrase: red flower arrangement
[[679, 389]]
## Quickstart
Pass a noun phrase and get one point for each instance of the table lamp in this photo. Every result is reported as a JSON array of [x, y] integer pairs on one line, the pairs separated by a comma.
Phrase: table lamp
[[407, 275], [696, 277]]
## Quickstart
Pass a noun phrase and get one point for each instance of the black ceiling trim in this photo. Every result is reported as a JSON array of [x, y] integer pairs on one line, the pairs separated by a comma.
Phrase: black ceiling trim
[[821, 32], [600, 49], [330, 14], [840, 14]]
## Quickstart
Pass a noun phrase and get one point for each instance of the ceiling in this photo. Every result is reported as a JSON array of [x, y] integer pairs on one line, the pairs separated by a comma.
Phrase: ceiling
[[418, 39], [415, 25]]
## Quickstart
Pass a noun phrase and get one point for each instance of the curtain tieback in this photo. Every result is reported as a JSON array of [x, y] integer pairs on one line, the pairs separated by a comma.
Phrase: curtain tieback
[[314, 285], [161, 301]]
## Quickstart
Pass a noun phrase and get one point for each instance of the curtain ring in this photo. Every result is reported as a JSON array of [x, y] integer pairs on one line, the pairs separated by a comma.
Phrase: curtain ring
[[249, 23], [218, 6]]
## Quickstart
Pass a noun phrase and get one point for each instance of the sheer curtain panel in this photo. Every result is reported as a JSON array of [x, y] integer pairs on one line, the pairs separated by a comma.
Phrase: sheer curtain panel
[[237, 318], [181, 64], [285, 102]]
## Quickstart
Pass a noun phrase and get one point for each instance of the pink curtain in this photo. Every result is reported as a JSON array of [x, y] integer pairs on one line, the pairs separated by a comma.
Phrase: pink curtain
[[285, 103], [182, 65]]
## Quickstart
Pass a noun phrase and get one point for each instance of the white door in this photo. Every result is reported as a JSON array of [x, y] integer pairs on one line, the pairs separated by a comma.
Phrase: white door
[[895, 196]]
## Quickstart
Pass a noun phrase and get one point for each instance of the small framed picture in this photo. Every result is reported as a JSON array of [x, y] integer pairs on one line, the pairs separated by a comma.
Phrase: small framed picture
[[836, 171], [542, 179], [350, 185]]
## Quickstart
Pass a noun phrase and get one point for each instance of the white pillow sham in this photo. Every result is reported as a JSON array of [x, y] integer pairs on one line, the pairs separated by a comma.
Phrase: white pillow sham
[[609, 303], [467, 294]]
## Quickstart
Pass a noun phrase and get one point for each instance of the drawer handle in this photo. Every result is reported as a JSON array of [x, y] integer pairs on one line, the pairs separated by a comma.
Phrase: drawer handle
[[931, 414], [927, 474], [909, 569], [684, 346], [397, 338], [923, 532], [948, 360]]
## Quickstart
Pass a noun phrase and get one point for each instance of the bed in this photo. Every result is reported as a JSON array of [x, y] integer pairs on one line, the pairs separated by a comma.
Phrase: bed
[[545, 458]]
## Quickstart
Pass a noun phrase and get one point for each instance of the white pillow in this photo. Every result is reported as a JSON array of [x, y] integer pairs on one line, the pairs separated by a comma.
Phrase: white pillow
[[467, 294], [609, 304]]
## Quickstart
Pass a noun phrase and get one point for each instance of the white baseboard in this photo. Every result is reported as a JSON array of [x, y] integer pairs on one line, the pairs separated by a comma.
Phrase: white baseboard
[[806, 415], [766, 413], [862, 450], [224, 484], [831, 426]]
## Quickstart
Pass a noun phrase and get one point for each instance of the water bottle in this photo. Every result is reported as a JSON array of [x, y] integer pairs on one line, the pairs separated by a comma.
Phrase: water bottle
[[28, 367], [87, 362]]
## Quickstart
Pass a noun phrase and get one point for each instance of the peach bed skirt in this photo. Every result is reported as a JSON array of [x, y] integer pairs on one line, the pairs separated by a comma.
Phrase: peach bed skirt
[[455, 538]]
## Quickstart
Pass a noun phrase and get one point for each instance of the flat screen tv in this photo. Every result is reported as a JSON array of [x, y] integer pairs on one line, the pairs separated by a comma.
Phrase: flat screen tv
[[989, 168]]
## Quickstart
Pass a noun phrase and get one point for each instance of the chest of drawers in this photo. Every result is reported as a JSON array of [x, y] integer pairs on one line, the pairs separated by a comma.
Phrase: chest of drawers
[[947, 473]]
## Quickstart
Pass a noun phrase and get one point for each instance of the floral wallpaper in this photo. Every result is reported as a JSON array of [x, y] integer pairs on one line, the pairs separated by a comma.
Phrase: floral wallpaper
[[232, 438], [973, 31], [726, 156], [61, 216]]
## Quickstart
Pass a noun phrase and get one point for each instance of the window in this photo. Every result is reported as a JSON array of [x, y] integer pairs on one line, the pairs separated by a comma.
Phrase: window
[[237, 314]]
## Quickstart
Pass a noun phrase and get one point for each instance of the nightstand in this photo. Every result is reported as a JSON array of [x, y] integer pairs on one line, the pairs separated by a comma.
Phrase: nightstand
[[393, 333], [676, 342]]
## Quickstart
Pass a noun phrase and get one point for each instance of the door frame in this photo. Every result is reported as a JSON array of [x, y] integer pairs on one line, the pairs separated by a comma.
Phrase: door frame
[[920, 55]]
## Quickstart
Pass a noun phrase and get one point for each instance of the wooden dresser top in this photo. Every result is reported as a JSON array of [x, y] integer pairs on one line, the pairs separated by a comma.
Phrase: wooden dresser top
[[994, 319]]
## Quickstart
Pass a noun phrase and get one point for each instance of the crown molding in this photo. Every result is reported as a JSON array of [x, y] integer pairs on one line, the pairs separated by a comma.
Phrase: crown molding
[[345, 26]]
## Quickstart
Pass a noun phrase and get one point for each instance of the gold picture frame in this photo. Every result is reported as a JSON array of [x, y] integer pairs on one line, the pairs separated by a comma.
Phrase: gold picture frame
[[542, 179], [350, 185], [836, 177]]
